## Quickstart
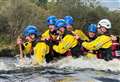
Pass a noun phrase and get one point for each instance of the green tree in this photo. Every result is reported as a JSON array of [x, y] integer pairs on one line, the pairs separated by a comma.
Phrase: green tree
[[20, 13]]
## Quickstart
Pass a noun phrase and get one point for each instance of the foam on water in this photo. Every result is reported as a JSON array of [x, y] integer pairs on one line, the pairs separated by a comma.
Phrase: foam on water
[[57, 75], [2, 66], [74, 64], [6, 63], [81, 63]]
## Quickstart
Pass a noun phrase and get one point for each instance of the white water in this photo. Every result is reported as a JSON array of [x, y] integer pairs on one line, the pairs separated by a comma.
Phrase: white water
[[7, 63], [72, 64], [69, 64], [81, 63]]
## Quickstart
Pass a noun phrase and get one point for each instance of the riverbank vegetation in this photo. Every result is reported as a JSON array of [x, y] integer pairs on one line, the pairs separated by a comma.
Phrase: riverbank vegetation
[[16, 14]]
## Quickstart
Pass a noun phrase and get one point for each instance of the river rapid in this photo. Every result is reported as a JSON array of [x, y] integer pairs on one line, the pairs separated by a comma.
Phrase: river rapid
[[65, 70]]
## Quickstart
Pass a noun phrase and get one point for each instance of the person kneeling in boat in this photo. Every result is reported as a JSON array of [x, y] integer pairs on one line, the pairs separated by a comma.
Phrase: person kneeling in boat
[[32, 45], [50, 37], [60, 26], [115, 46], [70, 43], [69, 24], [103, 42], [50, 33], [92, 35]]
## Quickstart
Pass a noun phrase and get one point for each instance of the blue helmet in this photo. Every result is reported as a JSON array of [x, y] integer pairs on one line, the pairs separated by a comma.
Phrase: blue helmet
[[51, 20], [69, 20], [60, 23], [30, 29], [92, 28]]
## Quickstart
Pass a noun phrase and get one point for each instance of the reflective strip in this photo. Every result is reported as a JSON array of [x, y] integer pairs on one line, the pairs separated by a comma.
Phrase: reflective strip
[[117, 52]]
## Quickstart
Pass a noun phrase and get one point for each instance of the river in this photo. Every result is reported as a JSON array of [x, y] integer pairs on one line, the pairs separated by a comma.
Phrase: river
[[66, 70]]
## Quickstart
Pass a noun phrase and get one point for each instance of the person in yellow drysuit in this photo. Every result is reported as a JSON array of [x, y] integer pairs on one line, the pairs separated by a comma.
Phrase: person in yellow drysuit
[[70, 40], [103, 42], [70, 43], [61, 26], [50, 34], [76, 51], [33, 44], [69, 24], [92, 35], [69, 27], [50, 37]]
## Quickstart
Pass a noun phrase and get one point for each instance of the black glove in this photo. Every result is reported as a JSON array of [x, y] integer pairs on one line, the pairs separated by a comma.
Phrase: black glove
[[49, 42]]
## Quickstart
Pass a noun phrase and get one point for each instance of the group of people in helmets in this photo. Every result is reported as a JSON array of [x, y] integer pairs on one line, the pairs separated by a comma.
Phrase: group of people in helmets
[[60, 40]]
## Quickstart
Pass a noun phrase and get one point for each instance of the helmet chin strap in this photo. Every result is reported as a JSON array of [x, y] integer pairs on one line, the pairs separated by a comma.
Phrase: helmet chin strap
[[29, 38]]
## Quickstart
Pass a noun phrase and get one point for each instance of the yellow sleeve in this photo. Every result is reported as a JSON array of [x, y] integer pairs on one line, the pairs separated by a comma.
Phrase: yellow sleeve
[[81, 34], [40, 50], [45, 35], [66, 43], [102, 41], [27, 47]]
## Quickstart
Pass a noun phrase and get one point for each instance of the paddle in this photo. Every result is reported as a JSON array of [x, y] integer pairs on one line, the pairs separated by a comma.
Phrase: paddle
[[22, 61]]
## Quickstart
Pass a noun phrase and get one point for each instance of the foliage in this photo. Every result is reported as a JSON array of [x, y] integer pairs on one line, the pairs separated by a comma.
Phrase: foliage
[[16, 14]]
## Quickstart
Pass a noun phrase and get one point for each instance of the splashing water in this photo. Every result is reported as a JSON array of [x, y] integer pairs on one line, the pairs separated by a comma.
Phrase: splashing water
[[82, 63], [65, 70]]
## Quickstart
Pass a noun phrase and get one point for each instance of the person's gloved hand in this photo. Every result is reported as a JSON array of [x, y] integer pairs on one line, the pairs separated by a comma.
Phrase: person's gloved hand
[[113, 37], [19, 41], [49, 42]]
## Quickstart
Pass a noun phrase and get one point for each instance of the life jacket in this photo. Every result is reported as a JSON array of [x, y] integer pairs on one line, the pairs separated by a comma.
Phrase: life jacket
[[45, 35], [49, 35], [50, 40], [115, 49], [27, 48], [91, 53]]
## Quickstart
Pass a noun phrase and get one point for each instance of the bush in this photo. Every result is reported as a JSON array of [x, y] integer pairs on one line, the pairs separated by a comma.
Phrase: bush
[[16, 14]]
